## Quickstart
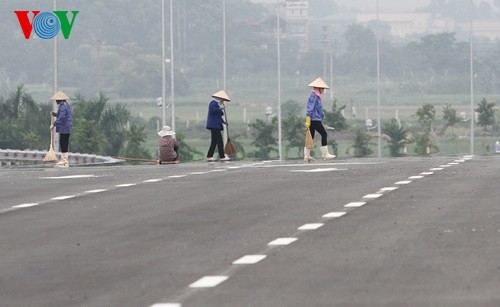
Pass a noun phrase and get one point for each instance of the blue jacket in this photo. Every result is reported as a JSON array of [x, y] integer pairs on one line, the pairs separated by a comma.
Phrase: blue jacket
[[314, 107], [64, 119], [214, 117]]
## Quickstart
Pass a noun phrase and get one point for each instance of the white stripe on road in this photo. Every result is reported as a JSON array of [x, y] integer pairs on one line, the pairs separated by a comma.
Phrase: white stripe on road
[[318, 170], [166, 305], [63, 197], [70, 177], [96, 191], [311, 226], [355, 204], [208, 281], [334, 214], [25, 205], [415, 177], [177, 176], [403, 182], [388, 189], [125, 185], [152, 180], [282, 241], [372, 196], [249, 259], [426, 173], [437, 169]]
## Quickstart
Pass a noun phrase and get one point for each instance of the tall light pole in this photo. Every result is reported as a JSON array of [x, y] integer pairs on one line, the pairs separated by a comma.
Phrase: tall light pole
[[163, 121], [472, 117], [224, 58], [172, 81], [379, 132], [279, 78], [56, 85]]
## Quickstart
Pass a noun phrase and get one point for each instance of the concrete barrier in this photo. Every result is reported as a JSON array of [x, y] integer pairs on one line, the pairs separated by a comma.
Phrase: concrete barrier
[[11, 157]]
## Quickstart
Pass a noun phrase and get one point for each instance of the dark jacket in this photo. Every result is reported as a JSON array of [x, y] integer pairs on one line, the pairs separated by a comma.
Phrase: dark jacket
[[64, 119], [214, 117]]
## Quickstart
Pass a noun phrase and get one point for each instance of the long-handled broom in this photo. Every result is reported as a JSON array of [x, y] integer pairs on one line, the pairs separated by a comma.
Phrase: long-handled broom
[[51, 154]]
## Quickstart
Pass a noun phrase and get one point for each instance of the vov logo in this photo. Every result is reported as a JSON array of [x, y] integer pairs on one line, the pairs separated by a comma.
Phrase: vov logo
[[46, 25]]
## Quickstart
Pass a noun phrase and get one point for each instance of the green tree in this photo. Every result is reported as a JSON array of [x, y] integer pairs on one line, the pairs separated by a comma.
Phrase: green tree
[[486, 114], [361, 143], [334, 118], [294, 133], [397, 137], [134, 148], [426, 115], [450, 117], [186, 152], [264, 138]]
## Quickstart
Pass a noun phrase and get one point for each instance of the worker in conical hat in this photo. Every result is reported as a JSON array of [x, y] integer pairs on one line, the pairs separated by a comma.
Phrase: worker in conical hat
[[63, 125], [314, 118], [215, 124]]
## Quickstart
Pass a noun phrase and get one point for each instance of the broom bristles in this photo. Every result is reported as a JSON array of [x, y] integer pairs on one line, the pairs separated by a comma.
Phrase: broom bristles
[[50, 156]]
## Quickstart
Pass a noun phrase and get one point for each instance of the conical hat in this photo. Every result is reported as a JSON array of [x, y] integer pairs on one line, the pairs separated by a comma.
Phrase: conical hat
[[222, 95], [59, 95], [319, 83]]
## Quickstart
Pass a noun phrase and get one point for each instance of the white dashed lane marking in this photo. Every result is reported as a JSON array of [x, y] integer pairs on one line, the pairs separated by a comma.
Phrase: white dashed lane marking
[[355, 204], [167, 305], [334, 214], [152, 180], [95, 191], [311, 226], [282, 241], [125, 185], [70, 177], [208, 281], [372, 196], [403, 182], [25, 205], [249, 259], [63, 197]]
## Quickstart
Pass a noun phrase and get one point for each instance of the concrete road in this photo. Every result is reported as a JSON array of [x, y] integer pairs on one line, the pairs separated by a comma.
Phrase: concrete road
[[368, 232]]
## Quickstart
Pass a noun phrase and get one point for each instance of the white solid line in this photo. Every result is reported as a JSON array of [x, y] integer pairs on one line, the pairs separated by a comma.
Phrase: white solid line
[[152, 180], [426, 173], [311, 226], [403, 182], [282, 241], [386, 189], [249, 259], [208, 281], [437, 169], [355, 204], [317, 170], [415, 177], [372, 196], [177, 176], [63, 197], [96, 191], [25, 205], [125, 185], [70, 177], [166, 305], [334, 214]]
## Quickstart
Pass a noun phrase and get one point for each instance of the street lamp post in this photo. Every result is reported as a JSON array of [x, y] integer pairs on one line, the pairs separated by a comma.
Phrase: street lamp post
[[379, 132], [163, 121], [279, 79], [172, 80], [472, 80]]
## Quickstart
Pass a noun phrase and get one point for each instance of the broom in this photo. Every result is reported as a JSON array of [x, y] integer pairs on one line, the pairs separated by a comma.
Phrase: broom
[[229, 149], [51, 154]]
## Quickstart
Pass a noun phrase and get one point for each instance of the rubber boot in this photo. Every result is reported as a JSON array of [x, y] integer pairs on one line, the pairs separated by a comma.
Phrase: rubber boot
[[307, 155], [325, 154], [64, 160]]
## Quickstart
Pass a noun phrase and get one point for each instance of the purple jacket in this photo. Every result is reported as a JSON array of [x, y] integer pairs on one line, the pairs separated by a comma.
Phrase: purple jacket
[[315, 108], [64, 119]]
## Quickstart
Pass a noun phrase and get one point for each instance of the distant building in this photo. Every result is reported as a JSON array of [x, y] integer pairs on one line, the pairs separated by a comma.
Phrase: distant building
[[295, 13], [403, 25]]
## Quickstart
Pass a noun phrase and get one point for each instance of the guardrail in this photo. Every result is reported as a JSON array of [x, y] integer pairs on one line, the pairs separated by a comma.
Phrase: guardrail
[[10, 157]]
